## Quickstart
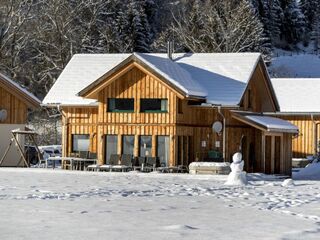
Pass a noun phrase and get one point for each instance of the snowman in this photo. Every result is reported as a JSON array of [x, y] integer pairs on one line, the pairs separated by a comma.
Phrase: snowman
[[237, 175]]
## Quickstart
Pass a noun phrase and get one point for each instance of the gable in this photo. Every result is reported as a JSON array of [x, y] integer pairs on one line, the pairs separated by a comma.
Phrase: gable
[[259, 95], [120, 74], [15, 107], [137, 85], [18, 92]]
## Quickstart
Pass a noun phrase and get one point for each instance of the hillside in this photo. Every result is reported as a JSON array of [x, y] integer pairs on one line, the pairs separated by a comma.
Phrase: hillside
[[303, 65]]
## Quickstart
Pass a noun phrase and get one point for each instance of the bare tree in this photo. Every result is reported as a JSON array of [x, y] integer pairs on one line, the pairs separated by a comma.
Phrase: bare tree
[[218, 26]]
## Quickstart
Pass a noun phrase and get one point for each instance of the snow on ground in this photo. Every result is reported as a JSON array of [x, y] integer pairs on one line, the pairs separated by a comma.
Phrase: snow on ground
[[295, 65], [57, 204]]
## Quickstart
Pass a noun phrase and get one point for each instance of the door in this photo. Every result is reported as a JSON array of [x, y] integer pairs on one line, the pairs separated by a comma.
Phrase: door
[[111, 146], [163, 150]]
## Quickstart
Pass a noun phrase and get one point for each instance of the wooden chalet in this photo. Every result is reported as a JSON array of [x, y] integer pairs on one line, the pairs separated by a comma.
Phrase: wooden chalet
[[154, 105], [14, 105], [300, 104]]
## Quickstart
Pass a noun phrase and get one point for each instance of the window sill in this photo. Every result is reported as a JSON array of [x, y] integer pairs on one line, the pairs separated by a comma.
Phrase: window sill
[[156, 111], [120, 111]]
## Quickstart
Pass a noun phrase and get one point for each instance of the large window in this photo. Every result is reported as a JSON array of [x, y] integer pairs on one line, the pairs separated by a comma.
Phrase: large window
[[127, 144], [153, 105], [145, 146], [80, 142], [120, 105], [163, 145], [111, 146]]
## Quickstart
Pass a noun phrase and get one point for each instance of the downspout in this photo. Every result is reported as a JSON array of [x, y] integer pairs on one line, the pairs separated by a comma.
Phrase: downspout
[[315, 124], [224, 133]]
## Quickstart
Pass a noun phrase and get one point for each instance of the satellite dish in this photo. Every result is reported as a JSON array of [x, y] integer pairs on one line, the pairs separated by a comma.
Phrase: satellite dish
[[3, 115], [217, 127]]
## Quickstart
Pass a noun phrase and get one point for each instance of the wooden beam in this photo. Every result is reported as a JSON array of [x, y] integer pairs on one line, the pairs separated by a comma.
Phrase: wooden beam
[[272, 163]]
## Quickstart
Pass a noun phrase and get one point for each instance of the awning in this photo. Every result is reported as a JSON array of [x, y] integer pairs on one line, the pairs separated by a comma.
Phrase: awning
[[266, 123]]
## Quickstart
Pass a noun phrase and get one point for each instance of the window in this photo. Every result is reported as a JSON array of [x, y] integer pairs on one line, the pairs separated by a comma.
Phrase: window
[[80, 142], [120, 105], [154, 105], [179, 105], [249, 99], [111, 146], [145, 146], [163, 144], [127, 144]]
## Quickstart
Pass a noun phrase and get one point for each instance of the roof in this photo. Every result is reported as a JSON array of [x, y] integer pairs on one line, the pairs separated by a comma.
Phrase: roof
[[297, 95], [266, 123], [221, 78], [28, 97]]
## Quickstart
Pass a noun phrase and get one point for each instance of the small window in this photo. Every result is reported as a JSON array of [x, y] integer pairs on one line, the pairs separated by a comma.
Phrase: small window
[[80, 142], [154, 105], [120, 105], [249, 99], [180, 106]]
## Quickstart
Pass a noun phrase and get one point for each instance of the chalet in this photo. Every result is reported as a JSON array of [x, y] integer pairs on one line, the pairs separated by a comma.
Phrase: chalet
[[14, 105], [155, 105], [300, 104]]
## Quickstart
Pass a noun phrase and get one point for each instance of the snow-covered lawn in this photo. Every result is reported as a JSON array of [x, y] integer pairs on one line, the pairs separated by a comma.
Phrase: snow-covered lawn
[[56, 204]]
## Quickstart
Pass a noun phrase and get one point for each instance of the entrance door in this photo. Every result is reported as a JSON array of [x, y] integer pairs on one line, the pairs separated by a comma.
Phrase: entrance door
[[111, 146], [184, 153], [272, 154]]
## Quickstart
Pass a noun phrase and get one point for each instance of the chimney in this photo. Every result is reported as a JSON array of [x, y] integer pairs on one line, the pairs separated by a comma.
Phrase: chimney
[[170, 49]]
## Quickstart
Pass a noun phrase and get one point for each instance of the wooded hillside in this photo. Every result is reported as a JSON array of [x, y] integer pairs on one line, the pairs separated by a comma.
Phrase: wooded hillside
[[38, 37]]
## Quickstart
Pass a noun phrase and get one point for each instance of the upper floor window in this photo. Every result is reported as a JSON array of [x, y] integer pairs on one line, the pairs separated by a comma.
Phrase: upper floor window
[[153, 105], [120, 105]]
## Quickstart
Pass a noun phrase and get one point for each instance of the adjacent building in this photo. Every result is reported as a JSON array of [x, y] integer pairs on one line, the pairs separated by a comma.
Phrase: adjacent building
[[15, 103], [299, 101]]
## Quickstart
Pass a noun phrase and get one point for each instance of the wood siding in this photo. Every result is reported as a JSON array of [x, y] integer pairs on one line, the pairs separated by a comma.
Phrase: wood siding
[[303, 144], [16, 108], [189, 127]]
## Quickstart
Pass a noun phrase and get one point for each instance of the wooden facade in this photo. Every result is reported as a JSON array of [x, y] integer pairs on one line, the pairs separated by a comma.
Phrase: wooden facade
[[187, 124], [15, 106], [306, 143]]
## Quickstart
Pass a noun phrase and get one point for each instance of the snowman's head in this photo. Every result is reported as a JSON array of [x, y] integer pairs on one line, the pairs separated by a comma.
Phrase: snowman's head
[[237, 157]]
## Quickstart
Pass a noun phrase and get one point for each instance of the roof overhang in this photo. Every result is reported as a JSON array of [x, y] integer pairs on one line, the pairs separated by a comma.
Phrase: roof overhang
[[15, 89], [265, 123]]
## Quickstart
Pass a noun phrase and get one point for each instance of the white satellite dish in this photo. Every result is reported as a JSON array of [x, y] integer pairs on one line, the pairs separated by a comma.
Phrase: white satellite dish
[[3, 115], [217, 127]]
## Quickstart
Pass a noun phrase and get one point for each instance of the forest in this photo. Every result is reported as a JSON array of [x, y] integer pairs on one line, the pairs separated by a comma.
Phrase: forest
[[38, 37]]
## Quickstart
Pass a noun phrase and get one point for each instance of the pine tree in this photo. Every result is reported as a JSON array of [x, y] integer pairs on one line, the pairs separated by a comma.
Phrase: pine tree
[[293, 27], [134, 27], [271, 15]]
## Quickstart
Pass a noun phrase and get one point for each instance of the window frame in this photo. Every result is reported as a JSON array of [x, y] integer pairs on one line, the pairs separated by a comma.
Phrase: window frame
[[119, 110], [72, 137], [154, 111]]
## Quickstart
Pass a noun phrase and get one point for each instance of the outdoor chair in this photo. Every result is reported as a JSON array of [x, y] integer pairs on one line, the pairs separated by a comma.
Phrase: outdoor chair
[[126, 163], [139, 163], [114, 161], [150, 165], [163, 168], [93, 167]]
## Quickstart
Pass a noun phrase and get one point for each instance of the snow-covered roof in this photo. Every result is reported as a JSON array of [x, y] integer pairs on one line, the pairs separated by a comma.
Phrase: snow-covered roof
[[266, 123], [25, 93], [82, 70], [297, 95], [221, 78]]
